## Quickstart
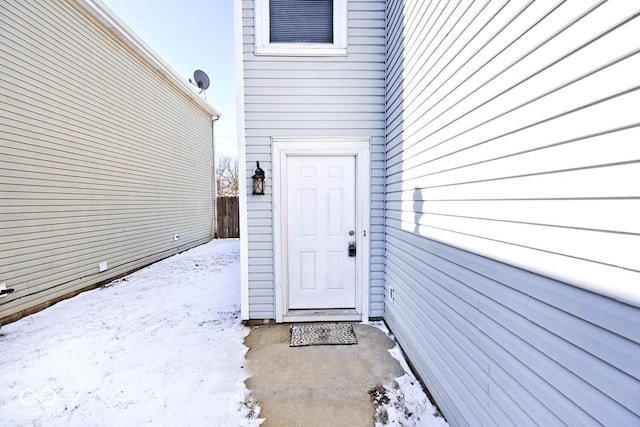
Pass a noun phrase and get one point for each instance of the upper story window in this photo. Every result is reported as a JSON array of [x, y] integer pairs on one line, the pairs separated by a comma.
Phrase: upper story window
[[301, 27]]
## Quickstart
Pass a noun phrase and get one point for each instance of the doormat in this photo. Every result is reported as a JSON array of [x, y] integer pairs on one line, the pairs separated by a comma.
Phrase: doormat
[[322, 334]]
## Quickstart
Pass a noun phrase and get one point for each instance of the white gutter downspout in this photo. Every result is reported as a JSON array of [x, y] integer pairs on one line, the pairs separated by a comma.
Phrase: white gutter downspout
[[214, 231]]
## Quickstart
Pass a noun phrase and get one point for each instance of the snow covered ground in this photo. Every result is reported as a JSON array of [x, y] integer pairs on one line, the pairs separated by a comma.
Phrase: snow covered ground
[[404, 402], [160, 347]]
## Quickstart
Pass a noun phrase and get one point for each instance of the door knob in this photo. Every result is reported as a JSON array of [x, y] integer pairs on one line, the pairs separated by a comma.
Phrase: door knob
[[352, 249]]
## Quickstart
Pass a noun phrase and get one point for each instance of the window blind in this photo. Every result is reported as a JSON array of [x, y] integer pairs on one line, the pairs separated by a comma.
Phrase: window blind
[[301, 21]]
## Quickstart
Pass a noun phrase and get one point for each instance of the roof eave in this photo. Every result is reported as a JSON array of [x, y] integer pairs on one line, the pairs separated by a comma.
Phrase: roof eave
[[114, 24]]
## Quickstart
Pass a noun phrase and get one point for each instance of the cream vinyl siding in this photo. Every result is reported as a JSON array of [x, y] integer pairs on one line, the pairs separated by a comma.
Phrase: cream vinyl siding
[[324, 97], [512, 207], [102, 158]]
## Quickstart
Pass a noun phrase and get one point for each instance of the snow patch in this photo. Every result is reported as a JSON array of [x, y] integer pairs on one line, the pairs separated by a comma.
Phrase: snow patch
[[162, 346], [403, 402]]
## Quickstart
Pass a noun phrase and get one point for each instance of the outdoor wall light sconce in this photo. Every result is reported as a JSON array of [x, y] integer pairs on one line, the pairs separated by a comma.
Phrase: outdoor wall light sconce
[[258, 180]]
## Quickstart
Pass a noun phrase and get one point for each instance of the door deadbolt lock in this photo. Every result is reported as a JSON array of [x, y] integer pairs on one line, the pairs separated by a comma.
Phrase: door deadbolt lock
[[352, 249]]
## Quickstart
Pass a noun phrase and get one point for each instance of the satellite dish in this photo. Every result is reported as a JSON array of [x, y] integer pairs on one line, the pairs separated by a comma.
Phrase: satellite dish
[[201, 79]]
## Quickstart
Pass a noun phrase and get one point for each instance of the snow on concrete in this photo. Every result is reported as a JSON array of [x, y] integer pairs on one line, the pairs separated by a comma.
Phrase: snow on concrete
[[405, 402], [162, 346]]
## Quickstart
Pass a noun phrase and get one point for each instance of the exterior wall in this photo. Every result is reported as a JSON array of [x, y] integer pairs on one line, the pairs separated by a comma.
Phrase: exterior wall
[[511, 212], [289, 96], [102, 158]]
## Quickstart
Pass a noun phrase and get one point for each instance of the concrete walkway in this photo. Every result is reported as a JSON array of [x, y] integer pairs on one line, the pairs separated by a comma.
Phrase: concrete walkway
[[317, 385]]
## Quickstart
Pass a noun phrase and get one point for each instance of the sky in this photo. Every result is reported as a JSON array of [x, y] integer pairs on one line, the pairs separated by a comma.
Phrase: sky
[[192, 35]]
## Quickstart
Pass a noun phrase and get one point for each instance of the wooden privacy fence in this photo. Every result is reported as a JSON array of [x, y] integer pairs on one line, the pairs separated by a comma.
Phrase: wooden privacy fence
[[228, 220]]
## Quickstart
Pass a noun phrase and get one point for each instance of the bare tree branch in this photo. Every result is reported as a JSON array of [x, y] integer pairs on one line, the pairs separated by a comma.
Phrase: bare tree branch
[[227, 176]]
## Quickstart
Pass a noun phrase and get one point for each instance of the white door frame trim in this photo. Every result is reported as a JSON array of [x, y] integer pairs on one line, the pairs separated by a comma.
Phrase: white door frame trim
[[358, 147]]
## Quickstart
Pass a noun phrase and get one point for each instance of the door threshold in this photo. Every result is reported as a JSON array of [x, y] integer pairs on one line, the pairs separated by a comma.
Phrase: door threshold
[[340, 315]]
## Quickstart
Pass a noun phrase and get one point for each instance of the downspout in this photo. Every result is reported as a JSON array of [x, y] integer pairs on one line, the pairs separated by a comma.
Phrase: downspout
[[214, 231]]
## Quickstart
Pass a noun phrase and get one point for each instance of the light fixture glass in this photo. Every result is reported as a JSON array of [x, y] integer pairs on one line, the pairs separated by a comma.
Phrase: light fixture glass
[[258, 180]]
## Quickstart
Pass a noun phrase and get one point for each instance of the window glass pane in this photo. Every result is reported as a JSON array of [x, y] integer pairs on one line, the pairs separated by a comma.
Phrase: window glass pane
[[301, 21]]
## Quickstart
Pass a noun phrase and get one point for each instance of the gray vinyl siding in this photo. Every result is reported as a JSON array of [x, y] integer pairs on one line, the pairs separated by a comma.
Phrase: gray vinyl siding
[[512, 134], [288, 96], [101, 157]]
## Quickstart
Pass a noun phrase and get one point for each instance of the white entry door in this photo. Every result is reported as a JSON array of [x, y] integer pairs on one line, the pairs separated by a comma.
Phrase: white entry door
[[321, 223]]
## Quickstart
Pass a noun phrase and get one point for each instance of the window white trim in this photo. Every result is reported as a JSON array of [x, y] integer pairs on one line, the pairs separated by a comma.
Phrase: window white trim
[[337, 48]]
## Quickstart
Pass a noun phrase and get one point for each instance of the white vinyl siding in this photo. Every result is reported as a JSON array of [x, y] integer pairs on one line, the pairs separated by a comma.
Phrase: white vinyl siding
[[507, 121], [101, 157], [289, 96], [512, 205]]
